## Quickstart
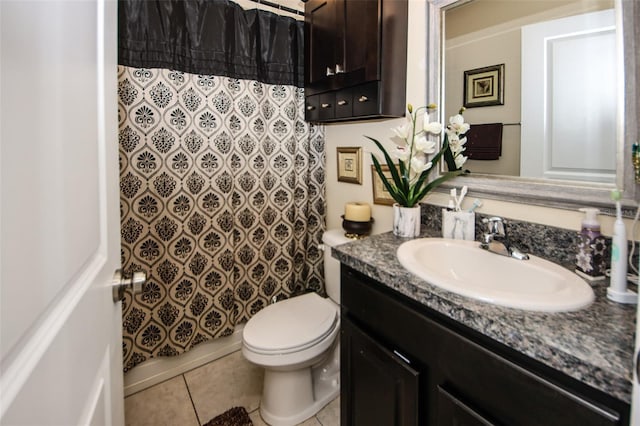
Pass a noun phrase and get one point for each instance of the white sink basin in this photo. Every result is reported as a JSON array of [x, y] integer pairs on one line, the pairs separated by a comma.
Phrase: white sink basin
[[463, 267]]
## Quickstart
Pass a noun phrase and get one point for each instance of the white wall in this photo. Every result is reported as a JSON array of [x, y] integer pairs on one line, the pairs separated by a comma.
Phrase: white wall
[[352, 134], [477, 50]]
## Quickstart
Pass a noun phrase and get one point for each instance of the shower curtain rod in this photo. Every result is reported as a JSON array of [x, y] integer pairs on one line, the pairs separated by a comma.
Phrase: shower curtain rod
[[278, 6]]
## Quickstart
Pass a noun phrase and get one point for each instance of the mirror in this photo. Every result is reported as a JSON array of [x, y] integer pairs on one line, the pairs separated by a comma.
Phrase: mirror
[[505, 176]]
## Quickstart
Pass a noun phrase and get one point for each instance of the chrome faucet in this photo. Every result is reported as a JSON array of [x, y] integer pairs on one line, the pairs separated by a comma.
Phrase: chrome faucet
[[496, 241]]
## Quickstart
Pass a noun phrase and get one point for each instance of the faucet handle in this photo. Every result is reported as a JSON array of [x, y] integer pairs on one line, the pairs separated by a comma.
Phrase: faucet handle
[[495, 225]]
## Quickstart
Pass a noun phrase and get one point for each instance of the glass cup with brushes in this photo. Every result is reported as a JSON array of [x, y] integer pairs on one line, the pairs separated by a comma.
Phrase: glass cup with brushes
[[456, 223]]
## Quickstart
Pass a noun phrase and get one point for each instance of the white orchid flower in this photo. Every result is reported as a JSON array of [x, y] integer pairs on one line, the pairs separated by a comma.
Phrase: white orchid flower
[[457, 124], [431, 127], [460, 160], [455, 143], [404, 131], [413, 156], [401, 152], [423, 144], [419, 164]]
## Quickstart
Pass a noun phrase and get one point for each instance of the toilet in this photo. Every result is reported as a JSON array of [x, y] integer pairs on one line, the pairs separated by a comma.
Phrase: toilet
[[297, 343]]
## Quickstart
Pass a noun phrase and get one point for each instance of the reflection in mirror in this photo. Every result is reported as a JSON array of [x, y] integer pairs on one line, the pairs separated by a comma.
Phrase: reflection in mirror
[[553, 130], [558, 116]]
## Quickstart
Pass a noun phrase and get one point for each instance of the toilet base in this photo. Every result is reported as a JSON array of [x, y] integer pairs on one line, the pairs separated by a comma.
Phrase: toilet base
[[285, 411], [291, 397]]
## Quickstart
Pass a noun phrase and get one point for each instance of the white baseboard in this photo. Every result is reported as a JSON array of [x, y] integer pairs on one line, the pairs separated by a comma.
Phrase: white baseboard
[[159, 369]]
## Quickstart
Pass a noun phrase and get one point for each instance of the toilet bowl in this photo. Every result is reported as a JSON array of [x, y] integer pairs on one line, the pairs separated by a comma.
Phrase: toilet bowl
[[296, 342]]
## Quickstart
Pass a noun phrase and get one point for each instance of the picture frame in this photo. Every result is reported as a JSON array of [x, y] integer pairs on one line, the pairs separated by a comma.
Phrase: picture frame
[[349, 164], [380, 193], [484, 86]]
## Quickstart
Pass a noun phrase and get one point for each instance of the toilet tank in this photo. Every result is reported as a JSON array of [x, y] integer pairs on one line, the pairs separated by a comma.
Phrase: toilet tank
[[332, 238]]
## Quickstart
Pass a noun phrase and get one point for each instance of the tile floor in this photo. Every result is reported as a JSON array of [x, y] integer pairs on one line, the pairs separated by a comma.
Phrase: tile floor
[[197, 396]]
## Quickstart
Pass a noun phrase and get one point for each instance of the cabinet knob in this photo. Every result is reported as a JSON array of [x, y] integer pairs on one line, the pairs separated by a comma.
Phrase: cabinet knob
[[339, 69], [310, 107], [330, 72], [342, 102], [326, 105], [363, 99]]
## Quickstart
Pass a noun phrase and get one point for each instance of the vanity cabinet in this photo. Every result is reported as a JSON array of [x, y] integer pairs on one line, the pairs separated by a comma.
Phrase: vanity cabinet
[[404, 364], [355, 59]]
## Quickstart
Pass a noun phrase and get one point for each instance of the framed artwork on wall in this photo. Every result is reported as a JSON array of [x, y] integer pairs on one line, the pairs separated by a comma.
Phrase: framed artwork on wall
[[350, 164], [484, 86], [380, 193]]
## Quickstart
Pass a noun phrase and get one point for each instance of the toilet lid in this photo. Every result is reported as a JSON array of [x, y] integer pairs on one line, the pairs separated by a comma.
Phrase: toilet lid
[[290, 325]]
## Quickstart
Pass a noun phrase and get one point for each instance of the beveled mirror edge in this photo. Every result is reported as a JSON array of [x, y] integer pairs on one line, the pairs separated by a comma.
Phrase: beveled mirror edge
[[548, 193]]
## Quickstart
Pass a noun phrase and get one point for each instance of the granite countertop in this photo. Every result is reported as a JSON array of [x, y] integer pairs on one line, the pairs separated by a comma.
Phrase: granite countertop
[[593, 345]]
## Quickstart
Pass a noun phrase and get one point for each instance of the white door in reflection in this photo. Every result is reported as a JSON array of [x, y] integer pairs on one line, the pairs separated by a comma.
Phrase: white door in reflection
[[569, 98]]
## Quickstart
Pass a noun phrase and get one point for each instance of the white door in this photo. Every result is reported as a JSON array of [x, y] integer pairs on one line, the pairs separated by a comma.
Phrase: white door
[[570, 64], [60, 331]]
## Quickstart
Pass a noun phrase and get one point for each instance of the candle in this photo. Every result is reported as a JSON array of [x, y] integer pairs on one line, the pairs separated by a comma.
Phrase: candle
[[357, 212]]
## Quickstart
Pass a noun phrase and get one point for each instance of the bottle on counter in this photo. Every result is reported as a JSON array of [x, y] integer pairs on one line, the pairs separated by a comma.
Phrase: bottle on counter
[[591, 261]]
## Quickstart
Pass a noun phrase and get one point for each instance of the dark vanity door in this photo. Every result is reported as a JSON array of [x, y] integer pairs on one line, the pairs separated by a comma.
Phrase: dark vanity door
[[378, 386]]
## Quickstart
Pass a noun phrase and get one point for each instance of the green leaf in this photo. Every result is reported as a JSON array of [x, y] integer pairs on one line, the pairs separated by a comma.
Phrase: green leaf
[[395, 194], [448, 155], [389, 161]]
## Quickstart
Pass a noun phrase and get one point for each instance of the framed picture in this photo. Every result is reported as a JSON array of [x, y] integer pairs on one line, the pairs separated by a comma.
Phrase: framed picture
[[380, 193], [484, 86], [350, 164]]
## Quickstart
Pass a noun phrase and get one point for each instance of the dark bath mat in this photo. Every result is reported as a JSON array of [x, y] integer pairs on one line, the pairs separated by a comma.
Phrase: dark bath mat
[[236, 416]]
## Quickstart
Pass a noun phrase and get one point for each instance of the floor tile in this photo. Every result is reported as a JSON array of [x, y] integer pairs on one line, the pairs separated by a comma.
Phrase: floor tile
[[310, 422], [227, 382], [166, 403], [330, 414], [256, 419]]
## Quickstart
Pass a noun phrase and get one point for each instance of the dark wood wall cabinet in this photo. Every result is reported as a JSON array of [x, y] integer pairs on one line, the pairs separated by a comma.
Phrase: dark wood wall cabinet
[[355, 59], [404, 364]]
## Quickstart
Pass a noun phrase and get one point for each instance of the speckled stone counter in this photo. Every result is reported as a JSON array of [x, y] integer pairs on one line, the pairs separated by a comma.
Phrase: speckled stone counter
[[593, 345]]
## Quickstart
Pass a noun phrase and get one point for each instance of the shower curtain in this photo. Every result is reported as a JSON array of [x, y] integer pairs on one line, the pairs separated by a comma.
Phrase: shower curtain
[[221, 180]]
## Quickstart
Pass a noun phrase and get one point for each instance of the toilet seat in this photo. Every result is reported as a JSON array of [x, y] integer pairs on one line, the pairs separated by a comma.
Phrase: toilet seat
[[291, 325]]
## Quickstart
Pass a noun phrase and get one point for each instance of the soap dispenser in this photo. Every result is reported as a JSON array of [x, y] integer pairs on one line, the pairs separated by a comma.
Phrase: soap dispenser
[[591, 261]]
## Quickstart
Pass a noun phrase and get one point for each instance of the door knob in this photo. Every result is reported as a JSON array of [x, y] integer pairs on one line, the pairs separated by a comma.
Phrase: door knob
[[120, 283]]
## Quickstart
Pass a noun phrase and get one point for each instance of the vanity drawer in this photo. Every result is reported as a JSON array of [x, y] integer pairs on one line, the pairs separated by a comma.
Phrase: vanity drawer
[[366, 99]]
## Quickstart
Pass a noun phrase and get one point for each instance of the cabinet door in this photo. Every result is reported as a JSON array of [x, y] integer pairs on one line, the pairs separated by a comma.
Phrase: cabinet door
[[378, 386], [452, 411], [362, 39], [323, 39]]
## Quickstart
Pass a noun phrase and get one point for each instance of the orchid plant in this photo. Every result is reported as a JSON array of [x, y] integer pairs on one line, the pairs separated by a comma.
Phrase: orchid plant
[[410, 170]]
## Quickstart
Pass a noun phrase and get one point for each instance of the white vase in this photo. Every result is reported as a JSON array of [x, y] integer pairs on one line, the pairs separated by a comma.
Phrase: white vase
[[406, 221]]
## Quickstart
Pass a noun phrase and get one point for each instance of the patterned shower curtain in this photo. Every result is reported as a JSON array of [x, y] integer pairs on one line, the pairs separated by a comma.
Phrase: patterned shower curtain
[[222, 203]]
